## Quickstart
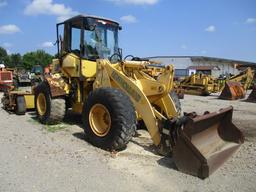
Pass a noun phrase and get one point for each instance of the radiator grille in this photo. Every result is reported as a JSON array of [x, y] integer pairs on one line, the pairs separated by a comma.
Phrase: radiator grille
[[5, 75]]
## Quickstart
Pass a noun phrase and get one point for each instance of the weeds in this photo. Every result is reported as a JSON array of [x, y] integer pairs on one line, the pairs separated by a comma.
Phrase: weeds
[[54, 128]]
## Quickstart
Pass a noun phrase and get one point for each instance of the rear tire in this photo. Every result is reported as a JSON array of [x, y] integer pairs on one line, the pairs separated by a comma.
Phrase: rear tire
[[49, 110], [121, 119], [20, 108]]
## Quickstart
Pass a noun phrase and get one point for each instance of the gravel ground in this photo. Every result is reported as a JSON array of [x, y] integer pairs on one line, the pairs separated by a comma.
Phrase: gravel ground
[[34, 158]]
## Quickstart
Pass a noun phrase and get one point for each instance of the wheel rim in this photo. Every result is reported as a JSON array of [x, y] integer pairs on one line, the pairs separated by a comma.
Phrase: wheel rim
[[100, 120], [41, 104]]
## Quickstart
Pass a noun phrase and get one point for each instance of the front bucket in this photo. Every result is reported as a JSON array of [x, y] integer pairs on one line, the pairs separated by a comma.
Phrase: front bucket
[[206, 142], [232, 91], [252, 96]]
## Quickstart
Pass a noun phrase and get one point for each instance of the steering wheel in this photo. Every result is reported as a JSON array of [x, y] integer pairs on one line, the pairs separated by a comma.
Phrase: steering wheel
[[128, 57], [112, 59], [135, 58]]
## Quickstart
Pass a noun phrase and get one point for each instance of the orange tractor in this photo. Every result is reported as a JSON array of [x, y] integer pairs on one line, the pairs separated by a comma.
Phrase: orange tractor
[[6, 78]]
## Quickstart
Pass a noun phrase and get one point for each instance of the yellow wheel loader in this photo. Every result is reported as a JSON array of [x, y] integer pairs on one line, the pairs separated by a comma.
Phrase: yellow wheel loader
[[199, 84], [113, 94]]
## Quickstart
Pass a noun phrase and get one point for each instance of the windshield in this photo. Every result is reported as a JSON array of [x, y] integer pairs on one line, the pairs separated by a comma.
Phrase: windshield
[[102, 42], [37, 70]]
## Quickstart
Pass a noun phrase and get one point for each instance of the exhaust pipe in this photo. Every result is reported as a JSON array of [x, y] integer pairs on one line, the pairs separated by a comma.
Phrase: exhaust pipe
[[206, 142]]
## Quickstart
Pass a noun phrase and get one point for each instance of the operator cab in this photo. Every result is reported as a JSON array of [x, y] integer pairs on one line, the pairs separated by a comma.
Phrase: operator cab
[[37, 70], [88, 37]]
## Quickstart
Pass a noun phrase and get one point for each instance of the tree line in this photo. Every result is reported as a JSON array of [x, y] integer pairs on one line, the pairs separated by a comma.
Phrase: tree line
[[27, 61]]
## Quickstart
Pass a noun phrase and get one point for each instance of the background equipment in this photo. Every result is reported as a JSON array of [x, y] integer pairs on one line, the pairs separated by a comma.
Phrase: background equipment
[[21, 77], [237, 85], [5, 78], [199, 84], [18, 101], [252, 96]]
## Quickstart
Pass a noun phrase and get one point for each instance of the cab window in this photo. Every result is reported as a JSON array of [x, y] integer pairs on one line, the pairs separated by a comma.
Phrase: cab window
[[75, 40]]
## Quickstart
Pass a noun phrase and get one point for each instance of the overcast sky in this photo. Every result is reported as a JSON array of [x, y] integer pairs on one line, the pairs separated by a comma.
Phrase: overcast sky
[[217, 28]]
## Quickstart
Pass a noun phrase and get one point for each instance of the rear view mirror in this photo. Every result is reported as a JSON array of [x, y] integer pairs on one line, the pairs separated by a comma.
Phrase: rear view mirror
[[91, 27]]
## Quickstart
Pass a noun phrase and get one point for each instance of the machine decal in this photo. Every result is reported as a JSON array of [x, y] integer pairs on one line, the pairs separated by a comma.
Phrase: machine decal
[[136, 96]]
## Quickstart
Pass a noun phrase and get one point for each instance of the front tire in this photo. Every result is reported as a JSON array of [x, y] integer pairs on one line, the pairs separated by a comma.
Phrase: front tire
[[49, 110], [109, 119]]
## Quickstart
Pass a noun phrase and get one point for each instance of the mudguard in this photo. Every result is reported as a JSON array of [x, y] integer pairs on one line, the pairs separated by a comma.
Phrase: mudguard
[[57, 85]]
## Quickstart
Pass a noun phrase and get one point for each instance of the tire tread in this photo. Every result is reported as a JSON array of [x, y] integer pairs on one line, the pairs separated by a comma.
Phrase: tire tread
[[122, 116]]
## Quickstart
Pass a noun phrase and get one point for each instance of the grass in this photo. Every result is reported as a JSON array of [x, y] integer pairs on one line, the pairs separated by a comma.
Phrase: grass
[[49, 128], [33, 121], [54, 128]]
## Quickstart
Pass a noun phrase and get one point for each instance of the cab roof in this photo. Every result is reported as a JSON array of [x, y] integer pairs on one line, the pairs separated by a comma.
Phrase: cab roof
[[83, 16]]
